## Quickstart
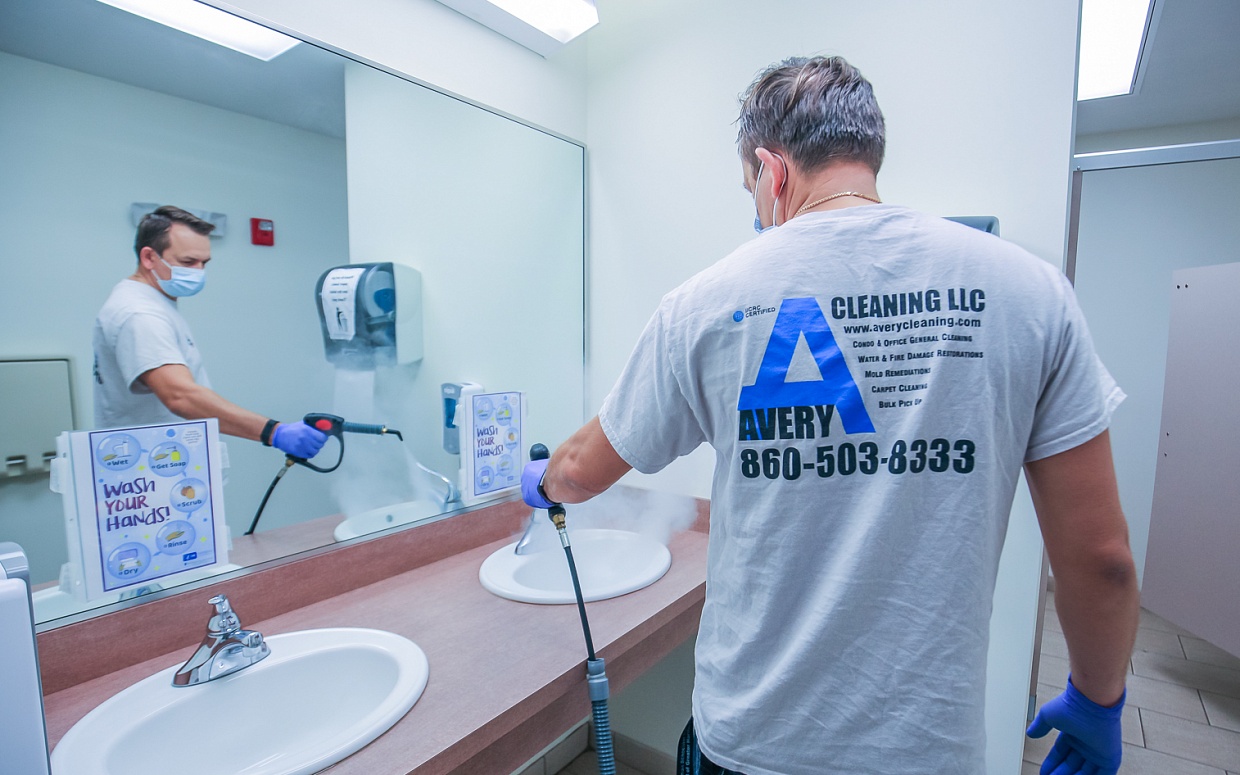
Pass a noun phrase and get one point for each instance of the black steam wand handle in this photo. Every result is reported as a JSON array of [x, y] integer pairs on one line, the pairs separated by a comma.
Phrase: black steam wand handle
[[556, 512], [330, 424]]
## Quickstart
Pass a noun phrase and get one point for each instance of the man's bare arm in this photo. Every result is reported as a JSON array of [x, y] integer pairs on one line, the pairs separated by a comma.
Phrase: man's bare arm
[[584, 466], [176, 389], [1086, 537]]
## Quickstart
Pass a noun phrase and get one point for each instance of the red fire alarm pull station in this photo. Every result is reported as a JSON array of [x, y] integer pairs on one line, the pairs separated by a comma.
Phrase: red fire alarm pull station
[[262, 231]]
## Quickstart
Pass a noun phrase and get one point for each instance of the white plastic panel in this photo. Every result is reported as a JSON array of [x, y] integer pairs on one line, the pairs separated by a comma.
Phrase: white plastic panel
[[1191, 573], [23, 742]]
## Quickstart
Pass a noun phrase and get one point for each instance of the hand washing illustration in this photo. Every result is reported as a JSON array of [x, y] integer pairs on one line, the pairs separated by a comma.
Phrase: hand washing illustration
[[139, 504]]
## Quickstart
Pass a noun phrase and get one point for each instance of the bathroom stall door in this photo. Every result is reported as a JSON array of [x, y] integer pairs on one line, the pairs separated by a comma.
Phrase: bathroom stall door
[[1144, 215], [1191, 573]]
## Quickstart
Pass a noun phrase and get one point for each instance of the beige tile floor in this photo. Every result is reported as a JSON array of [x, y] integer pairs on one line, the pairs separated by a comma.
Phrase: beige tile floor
[[1183, 710], [1182, 715]]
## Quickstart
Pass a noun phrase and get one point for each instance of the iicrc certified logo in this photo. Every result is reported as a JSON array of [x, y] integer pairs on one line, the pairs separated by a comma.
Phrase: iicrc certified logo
[[751, 311]]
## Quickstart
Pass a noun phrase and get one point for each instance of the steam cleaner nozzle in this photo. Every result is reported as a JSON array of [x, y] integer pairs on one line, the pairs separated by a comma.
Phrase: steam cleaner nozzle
[[368, 428], [557, 514]]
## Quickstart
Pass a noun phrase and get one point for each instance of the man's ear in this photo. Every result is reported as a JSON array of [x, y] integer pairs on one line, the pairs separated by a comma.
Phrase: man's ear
[[146, 257], [776, 171]]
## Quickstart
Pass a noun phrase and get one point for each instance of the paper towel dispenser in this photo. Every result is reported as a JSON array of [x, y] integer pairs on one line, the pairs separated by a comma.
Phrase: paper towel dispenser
[[371, 315], [37, 407], [986, 223]]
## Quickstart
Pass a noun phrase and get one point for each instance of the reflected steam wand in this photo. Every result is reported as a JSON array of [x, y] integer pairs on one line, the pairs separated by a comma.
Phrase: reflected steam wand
[[334, 426]]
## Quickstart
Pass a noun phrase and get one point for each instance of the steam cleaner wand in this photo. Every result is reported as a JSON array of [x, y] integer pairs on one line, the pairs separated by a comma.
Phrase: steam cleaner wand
[[596, 668], [334, 426]]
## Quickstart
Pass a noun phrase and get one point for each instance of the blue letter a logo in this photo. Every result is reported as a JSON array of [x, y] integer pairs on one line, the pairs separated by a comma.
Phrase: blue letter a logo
[[836, 388]]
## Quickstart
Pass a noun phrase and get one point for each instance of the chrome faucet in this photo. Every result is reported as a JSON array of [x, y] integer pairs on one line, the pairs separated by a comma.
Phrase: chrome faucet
[[226, 649], [527, 538], [535, 538], [451, 493]]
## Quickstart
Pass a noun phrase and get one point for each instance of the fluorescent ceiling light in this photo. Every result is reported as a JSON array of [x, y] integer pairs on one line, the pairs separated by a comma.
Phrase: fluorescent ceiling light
[[543, 26], [211, 24], [561, 19], [1112, 33]]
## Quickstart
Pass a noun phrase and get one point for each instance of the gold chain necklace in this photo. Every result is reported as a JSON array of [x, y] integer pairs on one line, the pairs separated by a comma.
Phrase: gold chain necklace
[[825, 199]]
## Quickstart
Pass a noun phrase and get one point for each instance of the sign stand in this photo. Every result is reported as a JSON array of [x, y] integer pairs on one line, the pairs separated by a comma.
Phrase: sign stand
[[491, 447], [142, 504]]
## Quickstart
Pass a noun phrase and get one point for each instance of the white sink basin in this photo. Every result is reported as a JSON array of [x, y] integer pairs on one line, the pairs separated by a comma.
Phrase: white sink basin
[[373, 521], [609, 563], [320, 696]]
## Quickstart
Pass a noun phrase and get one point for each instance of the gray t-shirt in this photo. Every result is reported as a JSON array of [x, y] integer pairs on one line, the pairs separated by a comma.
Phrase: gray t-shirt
[[872, 380], [138, 329]]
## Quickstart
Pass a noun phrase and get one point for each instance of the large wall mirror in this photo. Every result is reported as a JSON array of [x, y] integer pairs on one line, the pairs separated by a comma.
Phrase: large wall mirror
[[101, 109]]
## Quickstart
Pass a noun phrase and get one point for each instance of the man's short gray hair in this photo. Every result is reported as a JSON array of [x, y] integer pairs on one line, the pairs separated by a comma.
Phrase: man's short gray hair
[[817, 110]]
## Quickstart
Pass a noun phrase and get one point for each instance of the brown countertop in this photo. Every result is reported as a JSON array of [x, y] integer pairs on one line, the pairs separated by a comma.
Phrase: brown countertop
[[282, 541], [506, 678]]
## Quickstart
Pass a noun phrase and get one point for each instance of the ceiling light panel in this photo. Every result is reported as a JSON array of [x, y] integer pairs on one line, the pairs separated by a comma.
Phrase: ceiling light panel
[[543, 26], [561, 19], [1112, 34], [211, 24]]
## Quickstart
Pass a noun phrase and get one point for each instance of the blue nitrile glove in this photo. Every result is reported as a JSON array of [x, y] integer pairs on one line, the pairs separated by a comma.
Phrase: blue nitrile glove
[[531, 485], [1090, 739], [298, 439]]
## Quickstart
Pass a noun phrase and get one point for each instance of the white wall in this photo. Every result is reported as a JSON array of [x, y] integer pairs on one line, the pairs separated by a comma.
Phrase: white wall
[[978, 98], [75, 151], [438, 46], [1133, 235], [492, 213]]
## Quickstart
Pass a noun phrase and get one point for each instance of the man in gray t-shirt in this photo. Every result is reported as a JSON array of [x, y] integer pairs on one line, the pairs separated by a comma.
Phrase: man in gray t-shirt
[[872, 381], [147, 368]]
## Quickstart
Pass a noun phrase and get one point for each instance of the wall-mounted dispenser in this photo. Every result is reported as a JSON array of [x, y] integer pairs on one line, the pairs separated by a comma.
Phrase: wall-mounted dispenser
[[37, 406], [139, 210], [453, 394], [986, 223], [371, 315]]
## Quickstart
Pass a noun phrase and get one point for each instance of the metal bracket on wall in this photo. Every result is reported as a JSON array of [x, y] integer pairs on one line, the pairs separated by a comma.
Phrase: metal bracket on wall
[[1162, 154]]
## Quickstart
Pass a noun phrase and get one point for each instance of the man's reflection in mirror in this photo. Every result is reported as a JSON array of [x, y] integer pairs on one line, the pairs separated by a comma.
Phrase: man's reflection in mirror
[[147, 368]]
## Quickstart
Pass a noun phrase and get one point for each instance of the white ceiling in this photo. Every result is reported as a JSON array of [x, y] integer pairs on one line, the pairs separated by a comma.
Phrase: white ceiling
[[1192, 66], [1191, 72], [303, 87]]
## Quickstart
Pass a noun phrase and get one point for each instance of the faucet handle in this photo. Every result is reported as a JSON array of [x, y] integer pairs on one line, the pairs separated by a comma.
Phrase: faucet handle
[[252, 644], [225, 619]]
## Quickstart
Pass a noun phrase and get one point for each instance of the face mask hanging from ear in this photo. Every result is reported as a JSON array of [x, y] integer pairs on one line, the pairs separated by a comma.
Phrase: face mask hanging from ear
[[184, 281], [757, 219]]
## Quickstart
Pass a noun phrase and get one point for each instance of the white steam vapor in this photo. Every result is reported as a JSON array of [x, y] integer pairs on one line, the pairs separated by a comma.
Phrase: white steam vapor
[[377, 471], [656, 515]]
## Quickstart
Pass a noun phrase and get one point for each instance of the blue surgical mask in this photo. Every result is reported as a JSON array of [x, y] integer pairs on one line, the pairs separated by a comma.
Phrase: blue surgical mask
[[757, 218], [184, 282]]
